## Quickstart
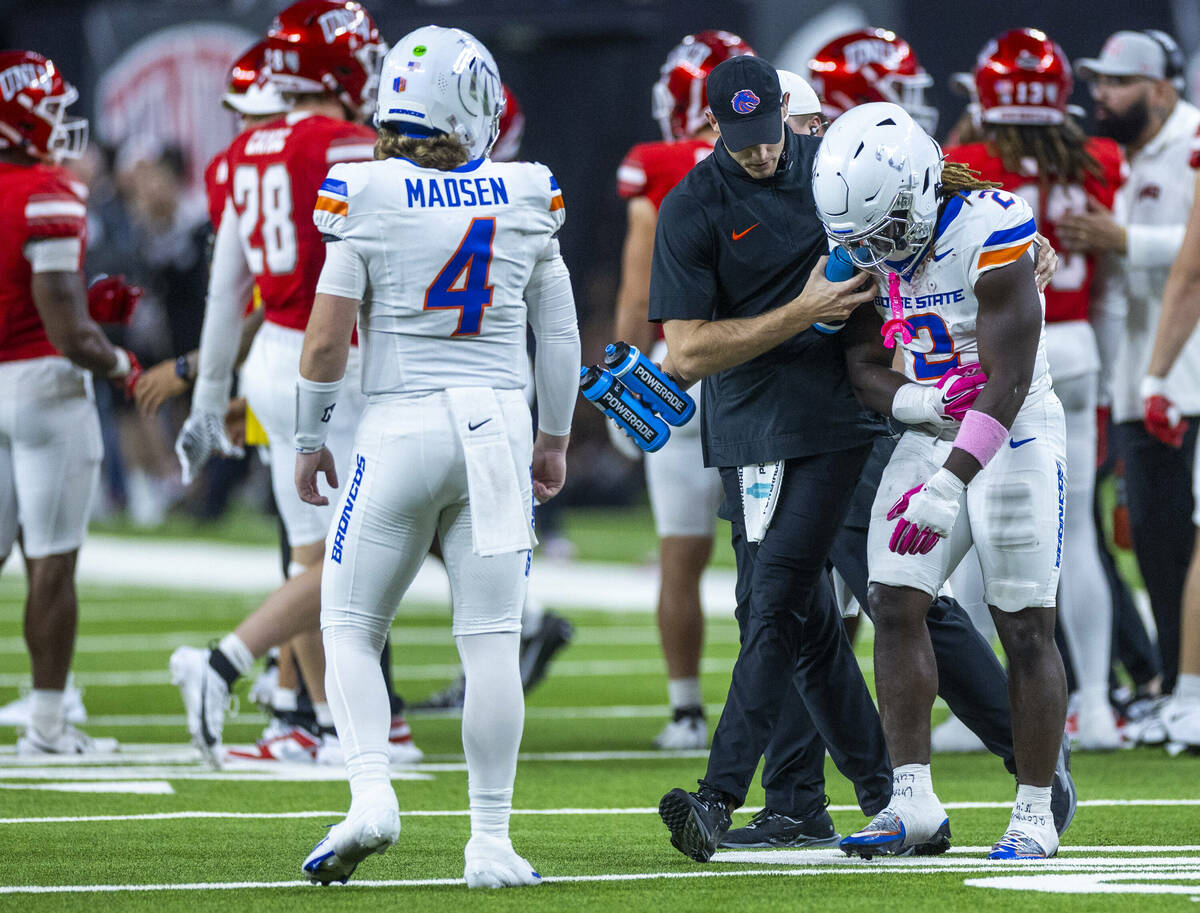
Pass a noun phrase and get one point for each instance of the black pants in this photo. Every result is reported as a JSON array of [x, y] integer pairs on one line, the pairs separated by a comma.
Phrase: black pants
[[971, 679], [795, 663], [1158, 488]]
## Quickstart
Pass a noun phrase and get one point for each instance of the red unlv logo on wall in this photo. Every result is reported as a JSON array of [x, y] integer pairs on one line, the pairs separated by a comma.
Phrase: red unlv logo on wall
[[166, 89]]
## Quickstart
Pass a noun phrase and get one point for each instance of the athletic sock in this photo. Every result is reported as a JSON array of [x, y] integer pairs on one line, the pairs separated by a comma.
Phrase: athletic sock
[[231, 659], [47, 717], [283, 700], [1031, 811], [912, 782], [1187, 689], [323, 714], [684, 692], [493, 717], [358, 703]]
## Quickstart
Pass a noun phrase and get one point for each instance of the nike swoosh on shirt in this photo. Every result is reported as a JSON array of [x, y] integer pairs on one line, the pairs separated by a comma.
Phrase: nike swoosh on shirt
[[471, 427], [1015, 444], [937, 257], [738, 235]]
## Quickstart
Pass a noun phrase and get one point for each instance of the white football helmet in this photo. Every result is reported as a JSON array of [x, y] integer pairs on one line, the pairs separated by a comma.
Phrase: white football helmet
[[442, 80], [875, 182]]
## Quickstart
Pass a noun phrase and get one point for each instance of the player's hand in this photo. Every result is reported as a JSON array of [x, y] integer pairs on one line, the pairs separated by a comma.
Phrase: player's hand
[[308, 466], [549, 465], [202, 435], [110, 299], [926, 514], [823, 301], [157, 385], [1160, 415], [1046, 262], [621, 442], [235, 422], [959, 388], [1094, 231]]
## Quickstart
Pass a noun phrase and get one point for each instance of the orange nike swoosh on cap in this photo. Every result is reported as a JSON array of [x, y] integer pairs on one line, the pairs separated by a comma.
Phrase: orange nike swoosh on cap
[[738, 235]]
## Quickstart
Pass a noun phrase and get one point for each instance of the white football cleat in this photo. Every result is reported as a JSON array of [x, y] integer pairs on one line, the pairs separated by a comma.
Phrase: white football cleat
[[294, 744], [1025, 843], [493, 863], [401, 748], [952, 735], [69, 741], [1096, 724], [205, 696], [371, 830], [329, 752], [906, 827], [1181, 720], [688, 731], [17, 713]]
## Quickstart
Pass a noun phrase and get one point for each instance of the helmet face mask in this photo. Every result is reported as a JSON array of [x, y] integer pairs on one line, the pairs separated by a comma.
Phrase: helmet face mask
[[875, 183]]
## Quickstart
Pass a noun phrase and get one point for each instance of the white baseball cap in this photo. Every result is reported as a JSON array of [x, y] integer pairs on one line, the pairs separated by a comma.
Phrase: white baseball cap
[[802, 99], [1128, 53]]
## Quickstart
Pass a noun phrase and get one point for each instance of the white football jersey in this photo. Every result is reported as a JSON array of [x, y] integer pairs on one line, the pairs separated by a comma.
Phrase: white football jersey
[[977, 232], [448, 255]]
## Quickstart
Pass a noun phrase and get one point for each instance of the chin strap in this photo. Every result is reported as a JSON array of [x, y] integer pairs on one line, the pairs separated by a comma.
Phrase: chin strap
[[897, 325]]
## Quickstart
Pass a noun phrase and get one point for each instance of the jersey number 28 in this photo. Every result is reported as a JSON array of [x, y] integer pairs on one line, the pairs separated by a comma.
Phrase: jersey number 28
[[265, 201]]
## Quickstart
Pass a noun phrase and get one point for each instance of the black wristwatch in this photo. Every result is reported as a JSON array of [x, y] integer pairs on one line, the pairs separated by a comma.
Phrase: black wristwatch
[[181, 368]]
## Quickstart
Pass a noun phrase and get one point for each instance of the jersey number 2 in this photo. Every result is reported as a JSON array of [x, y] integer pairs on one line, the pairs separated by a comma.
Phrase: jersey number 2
[[941, 357], [463, 281]]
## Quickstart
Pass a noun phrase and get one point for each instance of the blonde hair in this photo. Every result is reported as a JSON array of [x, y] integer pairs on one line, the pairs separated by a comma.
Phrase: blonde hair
[[443, 151], [958, 178]]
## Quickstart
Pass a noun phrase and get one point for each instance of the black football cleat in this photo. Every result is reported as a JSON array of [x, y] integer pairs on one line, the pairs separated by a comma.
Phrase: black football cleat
[[554, 633], [1063, 796], [697, 821], [770, 828]]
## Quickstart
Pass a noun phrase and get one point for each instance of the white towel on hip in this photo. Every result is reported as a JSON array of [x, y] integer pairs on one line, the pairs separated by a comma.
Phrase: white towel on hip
[[760, 484], [501, 521]]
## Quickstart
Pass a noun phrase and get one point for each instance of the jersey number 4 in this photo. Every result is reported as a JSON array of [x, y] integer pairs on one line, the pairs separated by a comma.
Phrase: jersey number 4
[[463, 281], [265, 202]]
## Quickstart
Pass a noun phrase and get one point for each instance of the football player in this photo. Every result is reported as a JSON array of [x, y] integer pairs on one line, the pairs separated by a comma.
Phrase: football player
[[445, 445], [50, 445], [684, 494], [953, 258], [1033, 148], [323, 56]]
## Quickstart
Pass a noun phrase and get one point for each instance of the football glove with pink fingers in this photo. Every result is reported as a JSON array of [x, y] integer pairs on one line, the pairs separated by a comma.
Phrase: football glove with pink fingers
[[926, 514]]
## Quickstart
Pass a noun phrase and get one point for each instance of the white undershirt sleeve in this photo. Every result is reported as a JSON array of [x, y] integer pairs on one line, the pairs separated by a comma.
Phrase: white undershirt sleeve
[[1150, 246], [54, 255], [344, 273], [551, 308], [230, 284]]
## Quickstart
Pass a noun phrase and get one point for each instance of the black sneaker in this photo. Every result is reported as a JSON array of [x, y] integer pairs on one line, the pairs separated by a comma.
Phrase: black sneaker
[[554, 633], [772, 828], [697, 821], [1062, 789], [449, 698]]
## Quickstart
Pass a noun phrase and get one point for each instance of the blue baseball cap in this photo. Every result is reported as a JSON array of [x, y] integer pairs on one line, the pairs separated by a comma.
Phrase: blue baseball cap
[[745, 97]]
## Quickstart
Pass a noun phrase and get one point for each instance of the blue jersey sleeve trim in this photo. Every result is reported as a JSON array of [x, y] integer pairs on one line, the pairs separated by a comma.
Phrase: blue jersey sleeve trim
[[334, 186], [953, 207], [1008, 235]]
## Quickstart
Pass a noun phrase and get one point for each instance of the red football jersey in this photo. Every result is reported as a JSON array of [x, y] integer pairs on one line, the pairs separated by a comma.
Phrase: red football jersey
[[1068, 293], [40, 202], [650, 170], [216, 185], [273, 173]]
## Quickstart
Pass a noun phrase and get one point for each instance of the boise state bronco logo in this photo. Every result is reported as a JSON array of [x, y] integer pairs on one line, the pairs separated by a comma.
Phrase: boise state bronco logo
[[745, 101]]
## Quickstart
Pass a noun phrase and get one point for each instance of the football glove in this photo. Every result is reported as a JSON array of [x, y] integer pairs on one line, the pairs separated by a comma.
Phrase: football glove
[[622, 443], [1160, 415], [941, 405], [926, 514], [202, 435], [111, 300]]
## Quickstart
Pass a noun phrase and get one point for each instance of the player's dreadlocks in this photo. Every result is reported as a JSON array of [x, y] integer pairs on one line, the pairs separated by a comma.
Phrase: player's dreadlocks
[[958, 178], [443, 152], [1060, 150]]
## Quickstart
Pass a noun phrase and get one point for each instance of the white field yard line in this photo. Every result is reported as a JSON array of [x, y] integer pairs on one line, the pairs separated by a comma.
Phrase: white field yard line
[[417, 635], [186, 565], [849, 867]]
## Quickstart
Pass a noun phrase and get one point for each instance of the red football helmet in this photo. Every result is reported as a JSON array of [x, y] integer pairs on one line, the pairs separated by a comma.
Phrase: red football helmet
[[512, 128], [871, 65], [33, 108], [326, 46], [1023, 77], [249, 92], [680, 99]]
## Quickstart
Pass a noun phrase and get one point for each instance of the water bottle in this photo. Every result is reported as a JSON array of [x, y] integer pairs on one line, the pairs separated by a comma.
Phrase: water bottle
[[838, 268], [611, 397], [655, 386]]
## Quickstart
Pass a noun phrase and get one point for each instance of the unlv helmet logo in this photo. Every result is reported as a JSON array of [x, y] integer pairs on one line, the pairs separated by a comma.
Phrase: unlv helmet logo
[[14, 79], [861, 53], [338, 22], [745, 101]]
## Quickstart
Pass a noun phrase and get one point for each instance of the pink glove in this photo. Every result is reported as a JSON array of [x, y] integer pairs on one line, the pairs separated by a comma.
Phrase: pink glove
[[960, 386], [926, 514], [907, 538]]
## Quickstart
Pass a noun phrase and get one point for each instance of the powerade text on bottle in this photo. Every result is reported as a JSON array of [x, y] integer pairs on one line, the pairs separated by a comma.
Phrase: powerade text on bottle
[[655, 386], [609, 395]]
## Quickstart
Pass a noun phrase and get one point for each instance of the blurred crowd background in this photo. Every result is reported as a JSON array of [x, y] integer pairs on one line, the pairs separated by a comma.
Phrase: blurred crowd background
[[150, 74]]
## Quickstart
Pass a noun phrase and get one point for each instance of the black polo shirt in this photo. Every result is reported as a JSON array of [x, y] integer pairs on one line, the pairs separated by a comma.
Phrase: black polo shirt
[[728, 245]]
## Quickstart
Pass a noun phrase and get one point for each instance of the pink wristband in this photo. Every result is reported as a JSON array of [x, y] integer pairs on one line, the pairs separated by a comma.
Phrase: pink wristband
[[981, 436]]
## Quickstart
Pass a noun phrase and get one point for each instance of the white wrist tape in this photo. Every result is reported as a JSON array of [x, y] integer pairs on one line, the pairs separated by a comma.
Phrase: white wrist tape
[[913, 404], [123, 365], [315, 403], [1153, 386]]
